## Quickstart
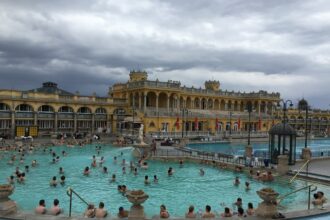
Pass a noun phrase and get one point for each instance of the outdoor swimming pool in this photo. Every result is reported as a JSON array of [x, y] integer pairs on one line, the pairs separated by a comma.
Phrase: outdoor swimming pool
[[260, 149], [177, 192]]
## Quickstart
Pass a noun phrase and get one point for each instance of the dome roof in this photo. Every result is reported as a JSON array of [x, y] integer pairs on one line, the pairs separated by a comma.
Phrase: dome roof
[[282, 129]]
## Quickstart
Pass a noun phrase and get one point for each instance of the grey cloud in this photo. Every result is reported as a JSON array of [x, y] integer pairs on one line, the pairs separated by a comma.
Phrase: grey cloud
[[41, 43]]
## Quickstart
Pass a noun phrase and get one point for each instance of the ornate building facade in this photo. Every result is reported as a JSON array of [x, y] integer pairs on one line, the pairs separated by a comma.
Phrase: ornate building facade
[[163, 107]]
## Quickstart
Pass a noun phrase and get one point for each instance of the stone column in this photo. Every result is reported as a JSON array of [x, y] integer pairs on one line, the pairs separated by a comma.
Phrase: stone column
[[35, 118], [259, 107], [145, 102], [55, 121], [266, 108], [93, 122], [140, 102], [168, 103], [13, 124], [7, 206], [200, 104], [157, 101], [282, 167], [226, 105], [306, 153], [133, 101], [74, 122], [239, 106]]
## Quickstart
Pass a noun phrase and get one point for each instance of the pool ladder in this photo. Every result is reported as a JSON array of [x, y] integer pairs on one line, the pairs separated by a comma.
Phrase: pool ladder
[[280, 198], [302, 167], [70, 192]]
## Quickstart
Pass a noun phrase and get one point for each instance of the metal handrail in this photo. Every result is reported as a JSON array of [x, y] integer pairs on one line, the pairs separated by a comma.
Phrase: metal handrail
[[70, 191], [280, 198], [295, 176]]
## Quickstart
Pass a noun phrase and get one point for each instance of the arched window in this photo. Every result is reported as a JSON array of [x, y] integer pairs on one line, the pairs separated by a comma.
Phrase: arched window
[[101, 111], [65, 109], [4, 107], [24, 108], [84, 110], [45, 108]]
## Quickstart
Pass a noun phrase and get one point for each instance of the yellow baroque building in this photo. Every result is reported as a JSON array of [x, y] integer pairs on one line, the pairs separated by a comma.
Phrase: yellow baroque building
[[172, 108], [164, 108]]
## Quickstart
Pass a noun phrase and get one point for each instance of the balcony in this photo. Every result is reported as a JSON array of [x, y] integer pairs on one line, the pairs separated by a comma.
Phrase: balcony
[[5, 114], [66, 116], [24, 115]]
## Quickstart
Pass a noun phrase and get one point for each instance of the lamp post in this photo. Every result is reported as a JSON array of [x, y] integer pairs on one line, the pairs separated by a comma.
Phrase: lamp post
[[303, 106], [248, 148], [284, 108], [306, 152]]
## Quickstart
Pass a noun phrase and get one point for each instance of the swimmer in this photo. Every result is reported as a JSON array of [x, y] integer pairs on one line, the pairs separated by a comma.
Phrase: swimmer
[[155, 179], [170, 171], [247, 186], [236, 181], [60, 170], [181, 163], [62, 181], [201, 172], [113, 178], [124, 170], [145, 165], [105, 170], [64, 153], [27, 168], [123, 163], [146, 180], [41, 208], [53, 182], [34, 163], [135, 171], [101, 161], [114, 159], [238, 202], [86, 171], [11, 179]]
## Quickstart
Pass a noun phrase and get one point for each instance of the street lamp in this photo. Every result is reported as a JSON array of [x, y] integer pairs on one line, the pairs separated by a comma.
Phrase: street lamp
[[303, 105], [285, 107]]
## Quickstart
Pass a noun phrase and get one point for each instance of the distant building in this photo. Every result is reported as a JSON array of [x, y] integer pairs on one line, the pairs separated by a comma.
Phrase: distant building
[[165, 108]]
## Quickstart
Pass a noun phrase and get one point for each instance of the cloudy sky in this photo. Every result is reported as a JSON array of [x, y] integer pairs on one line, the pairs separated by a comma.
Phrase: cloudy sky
[[279, 46]]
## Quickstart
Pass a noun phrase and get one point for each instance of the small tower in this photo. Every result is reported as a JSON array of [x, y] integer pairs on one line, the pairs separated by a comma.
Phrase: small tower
[[212, 85], [138, 76]]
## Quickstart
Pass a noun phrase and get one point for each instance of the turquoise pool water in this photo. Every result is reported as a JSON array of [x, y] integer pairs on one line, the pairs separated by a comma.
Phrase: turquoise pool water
[[260, 149], [177, 192]]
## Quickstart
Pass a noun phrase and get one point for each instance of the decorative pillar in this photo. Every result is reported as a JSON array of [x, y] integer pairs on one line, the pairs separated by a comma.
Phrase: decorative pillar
[[55, 121], [266, 108], [157, 100], [226, 105], [12, 124], [145, 102], [35, 118], [140, 102], [7, 206], [259, 107], [238, 106], [93, 122], [282, 167], [200, 104], [133, 101], [136, 197], [168, 103], [75, 122]]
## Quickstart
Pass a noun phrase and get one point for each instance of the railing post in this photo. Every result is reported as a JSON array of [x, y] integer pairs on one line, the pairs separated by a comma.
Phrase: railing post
[[70, 208], [309, 197]]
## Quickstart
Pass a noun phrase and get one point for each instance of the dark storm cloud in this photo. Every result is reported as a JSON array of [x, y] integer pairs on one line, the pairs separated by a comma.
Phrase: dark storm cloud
[[89, 45]]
